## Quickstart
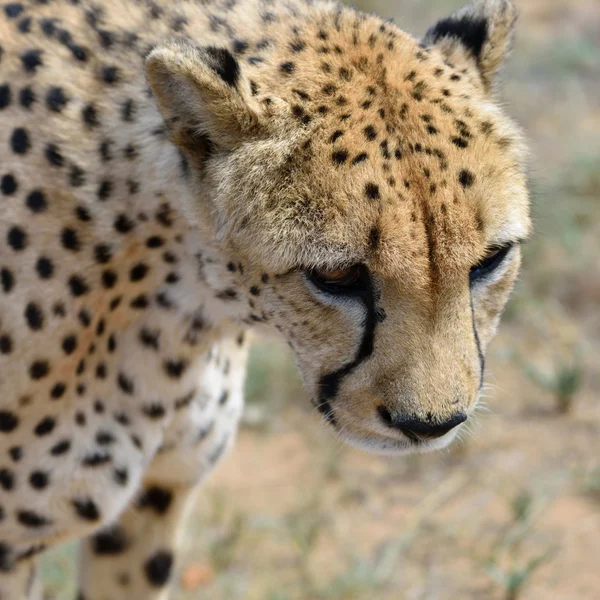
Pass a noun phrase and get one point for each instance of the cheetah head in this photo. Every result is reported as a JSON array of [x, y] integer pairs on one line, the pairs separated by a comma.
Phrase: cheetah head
[[374, 193]]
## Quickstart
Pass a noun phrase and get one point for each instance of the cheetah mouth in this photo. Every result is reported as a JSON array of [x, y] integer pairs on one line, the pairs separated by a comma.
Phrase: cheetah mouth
[[387, 445]]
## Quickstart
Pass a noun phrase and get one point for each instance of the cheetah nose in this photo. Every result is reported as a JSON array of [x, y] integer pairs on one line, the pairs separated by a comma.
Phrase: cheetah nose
[[417, 430]]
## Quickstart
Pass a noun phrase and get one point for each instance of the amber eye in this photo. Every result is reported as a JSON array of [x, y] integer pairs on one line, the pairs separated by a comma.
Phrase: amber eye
[[338, 281], [492, 261]]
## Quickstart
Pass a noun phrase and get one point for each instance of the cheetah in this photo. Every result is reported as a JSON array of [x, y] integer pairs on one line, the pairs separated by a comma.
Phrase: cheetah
[[174, 174]]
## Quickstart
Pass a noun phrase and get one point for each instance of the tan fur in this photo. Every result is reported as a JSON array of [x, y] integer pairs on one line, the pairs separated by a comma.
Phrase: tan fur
[[181, 195]]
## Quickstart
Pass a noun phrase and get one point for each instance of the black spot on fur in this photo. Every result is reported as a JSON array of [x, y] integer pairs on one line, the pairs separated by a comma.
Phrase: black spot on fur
[[109, 542], [374, 237], [175, 368], [128, 110], [86, 509], [370, 132], [287, 67], [139, 302], [39, 480], [154, 411], [360, 158], [5, 96], [121, 476], [78, 286], [83, 214], [155, 241], [20, 141], [13, 10], [96, 460], [102, 253], [372, 191], [34, 316], [157, 499], [54, 155], [56, 99], [90, 116], [110, 74], [8, 421], [7, 480], [336, 135], [460, 142], [184, 400], [28, 518], [58, 391], [297, 46], [44, 268], [339, 157], [104, 190], [24, 25], [16, 238], [69, 239], [150, 338], [31, 59], [123, 224], [138, 272], [466, 178], [240, 46], [6, 344], [45, 426], [125, 384], [69, 344], [26, 97], [84, 317], [100, 327], [39, 369], [158, 568], [109, 279]]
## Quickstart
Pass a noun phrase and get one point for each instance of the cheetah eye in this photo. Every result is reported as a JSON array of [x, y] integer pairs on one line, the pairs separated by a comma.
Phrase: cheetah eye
[[490, 262], [339, 281]]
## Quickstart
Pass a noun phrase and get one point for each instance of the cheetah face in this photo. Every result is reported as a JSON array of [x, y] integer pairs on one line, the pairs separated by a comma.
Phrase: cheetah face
[[376, 200]]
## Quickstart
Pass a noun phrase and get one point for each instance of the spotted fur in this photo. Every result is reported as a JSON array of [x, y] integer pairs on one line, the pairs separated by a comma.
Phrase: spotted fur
[[175, 173]]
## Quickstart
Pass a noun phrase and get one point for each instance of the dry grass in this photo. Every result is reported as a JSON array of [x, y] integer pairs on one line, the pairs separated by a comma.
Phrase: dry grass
[[513, 510]]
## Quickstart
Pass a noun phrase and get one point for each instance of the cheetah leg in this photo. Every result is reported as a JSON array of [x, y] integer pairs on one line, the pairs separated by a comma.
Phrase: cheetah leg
[[20, 582], [134, 558]]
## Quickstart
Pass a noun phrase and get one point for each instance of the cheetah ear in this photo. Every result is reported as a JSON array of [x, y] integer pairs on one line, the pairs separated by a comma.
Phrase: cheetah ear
[[482, 32], [203, 97]]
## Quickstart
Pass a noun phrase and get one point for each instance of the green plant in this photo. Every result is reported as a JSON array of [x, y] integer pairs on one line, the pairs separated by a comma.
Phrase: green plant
[[278, 595], [526, 508], [563, 382], [522, 505], [222, 550], [514, 579], [57, 571], [591, 483], [364, 577]]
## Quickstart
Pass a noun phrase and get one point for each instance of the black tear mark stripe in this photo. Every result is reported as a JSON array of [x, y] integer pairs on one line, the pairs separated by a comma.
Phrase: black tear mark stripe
[[478, 344], [329, 384]]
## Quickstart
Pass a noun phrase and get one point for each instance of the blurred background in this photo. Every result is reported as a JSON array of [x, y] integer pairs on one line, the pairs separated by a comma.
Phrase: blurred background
[[513, 510]]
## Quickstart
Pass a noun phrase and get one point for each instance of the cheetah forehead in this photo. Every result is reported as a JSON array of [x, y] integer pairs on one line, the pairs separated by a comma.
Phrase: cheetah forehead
[[392, 145]]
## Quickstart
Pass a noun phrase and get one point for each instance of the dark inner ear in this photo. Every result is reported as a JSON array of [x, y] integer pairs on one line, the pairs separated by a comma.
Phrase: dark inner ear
[[222, 62], [471, 31], [197, 145]]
